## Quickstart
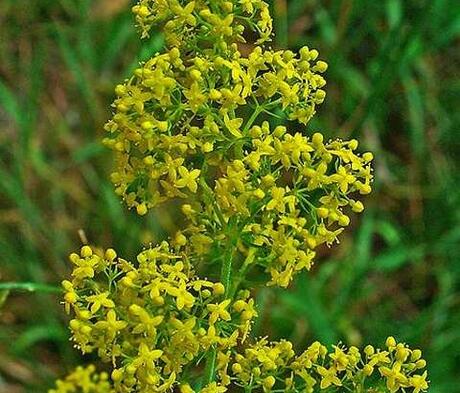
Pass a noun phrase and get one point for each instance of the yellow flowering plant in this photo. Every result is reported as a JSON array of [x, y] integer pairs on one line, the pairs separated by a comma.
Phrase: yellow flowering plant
[[221, 132]]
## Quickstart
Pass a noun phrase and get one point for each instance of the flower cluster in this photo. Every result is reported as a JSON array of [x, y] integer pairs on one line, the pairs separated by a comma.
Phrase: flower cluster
[[281, 200], [207, 24], [186, 127], [176, 114], [275, 366], [187, 107], [195, 125], [150, 319], [84, 380]]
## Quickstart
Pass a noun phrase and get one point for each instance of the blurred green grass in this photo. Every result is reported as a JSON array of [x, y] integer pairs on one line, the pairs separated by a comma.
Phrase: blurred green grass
[[393, 83]]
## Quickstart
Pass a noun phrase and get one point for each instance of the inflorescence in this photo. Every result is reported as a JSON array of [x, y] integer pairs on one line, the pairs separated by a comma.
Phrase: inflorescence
[[208, 124]]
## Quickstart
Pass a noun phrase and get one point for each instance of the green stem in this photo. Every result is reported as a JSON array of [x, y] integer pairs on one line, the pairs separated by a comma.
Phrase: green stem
[[225, 278], [253, 118], [226, 273], [29, 287], [210, 194]]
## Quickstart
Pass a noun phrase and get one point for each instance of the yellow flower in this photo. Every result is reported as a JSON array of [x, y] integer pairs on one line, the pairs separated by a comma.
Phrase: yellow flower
[[343, 178], [100, 300], [183, 297], [233, 126], [188, 178], [419, 382], [394, 377], [172, 164], [328, 377], [195, 97], [147, 323], [317, 177], [277, 202], [340, 359], [85, 266], [112, 326], [185, 13], [146, 357], [218, 311]]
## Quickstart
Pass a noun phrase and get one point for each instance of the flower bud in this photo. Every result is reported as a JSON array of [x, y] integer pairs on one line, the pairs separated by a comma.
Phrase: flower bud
[[141, 209], [390, 342], [218, 289], [110, 254], [86, 252], [269, 382]]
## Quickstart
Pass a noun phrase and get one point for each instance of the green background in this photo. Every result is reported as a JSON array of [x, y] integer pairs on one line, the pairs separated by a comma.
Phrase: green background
[[393, 83]]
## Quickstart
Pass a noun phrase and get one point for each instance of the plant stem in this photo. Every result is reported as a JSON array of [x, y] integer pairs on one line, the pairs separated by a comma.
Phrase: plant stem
[[225, 278], [226, 273], [252, 119]]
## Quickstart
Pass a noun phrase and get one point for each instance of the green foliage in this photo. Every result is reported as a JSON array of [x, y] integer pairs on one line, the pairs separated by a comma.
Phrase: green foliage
[[393, 82]]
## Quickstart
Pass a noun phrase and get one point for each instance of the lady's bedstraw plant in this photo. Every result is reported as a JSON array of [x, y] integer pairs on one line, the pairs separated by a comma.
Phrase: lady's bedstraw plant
[[193, 125]]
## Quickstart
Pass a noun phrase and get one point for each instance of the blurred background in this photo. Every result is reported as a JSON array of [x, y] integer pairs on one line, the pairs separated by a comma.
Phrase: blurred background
[[393, 83]]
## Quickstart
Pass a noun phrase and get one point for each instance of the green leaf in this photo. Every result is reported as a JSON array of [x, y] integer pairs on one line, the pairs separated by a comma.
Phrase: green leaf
[[389, 232], [71, 58], [416, 114], [29, 287], [10, 103], [397, 257], [3, 296], [34, 334], [87, 152], [326, 25], [394, 12]]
